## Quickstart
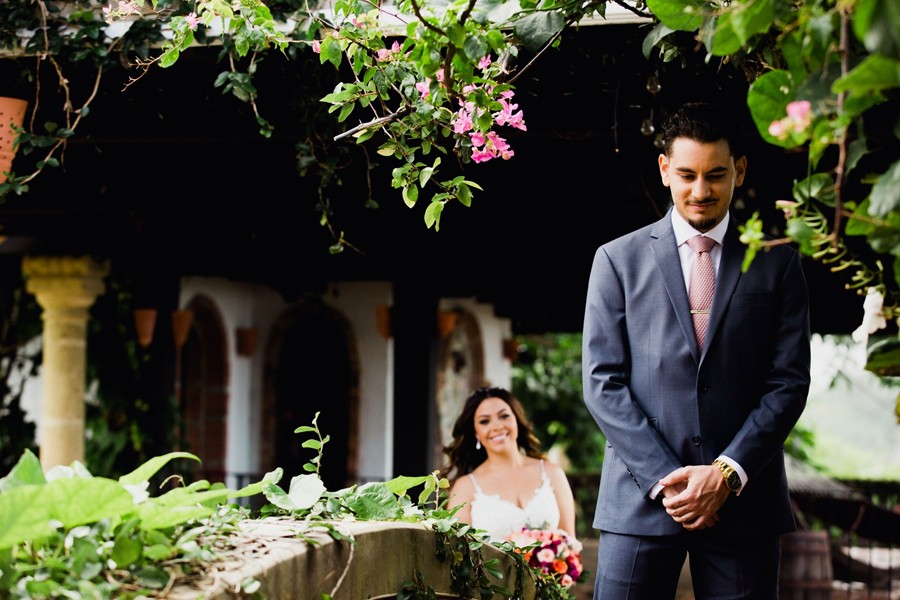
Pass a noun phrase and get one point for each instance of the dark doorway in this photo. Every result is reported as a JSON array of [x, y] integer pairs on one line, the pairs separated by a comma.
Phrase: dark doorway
[[313, 375]]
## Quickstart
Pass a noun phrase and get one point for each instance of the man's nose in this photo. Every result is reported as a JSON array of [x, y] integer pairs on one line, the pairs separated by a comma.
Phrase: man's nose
[[700, 189]]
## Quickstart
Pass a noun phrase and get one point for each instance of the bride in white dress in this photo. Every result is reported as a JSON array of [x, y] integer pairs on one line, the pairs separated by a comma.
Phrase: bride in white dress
[[500, 475]]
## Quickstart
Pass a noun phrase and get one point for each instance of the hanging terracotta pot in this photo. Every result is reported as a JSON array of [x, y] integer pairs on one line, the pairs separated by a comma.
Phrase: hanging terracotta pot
[[446, 322], [12, 113], [246, 341], [144, 323], [181, 326], [383, 320]]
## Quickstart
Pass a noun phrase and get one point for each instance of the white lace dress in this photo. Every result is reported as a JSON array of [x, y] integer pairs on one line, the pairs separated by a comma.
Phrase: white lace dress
[[500, 517]]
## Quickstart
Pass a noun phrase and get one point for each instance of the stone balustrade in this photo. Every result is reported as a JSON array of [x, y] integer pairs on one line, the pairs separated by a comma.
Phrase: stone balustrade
[[382, 559]]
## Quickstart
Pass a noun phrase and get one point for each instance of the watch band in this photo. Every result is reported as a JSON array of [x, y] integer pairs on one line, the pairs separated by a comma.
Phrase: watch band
[[732, 479]]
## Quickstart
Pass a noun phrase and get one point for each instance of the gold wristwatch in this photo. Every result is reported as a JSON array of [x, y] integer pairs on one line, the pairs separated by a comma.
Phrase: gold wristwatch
[[732, 479]]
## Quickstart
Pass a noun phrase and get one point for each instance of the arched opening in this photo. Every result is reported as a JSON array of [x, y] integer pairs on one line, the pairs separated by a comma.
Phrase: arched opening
[[203, 392], [313, 369]]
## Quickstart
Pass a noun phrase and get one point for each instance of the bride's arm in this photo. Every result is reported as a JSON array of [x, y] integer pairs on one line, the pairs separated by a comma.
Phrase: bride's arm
[[564, 498], [462, 492]]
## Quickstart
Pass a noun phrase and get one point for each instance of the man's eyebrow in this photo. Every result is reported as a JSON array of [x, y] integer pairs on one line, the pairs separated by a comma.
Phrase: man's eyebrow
[[713, 171]]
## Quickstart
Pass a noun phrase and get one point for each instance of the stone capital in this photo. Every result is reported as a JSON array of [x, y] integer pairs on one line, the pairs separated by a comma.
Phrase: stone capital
[[64, 282]]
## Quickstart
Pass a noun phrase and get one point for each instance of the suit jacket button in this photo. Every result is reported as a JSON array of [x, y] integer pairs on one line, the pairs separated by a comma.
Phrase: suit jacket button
[[695, 440]]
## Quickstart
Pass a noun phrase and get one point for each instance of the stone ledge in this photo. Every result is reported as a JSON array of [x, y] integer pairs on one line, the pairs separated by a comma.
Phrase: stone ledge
[[384, 557]]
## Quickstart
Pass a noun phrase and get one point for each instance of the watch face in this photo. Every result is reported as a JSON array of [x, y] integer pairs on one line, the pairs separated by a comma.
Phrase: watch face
[[734, 481]]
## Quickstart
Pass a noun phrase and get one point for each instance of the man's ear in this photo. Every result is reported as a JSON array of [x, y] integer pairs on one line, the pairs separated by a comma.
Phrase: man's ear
[[740, 170], [664, 169]]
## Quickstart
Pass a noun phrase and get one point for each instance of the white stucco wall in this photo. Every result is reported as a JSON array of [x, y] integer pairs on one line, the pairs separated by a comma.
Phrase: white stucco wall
[[497, 368], [357, 301], [240, 305]]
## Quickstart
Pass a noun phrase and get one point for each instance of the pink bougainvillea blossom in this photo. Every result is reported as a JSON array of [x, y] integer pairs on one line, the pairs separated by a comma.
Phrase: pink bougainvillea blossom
[[192, 20], [485, 62], [386, 54], [488, 145], [799, 110], [316, 46], [798, 120]]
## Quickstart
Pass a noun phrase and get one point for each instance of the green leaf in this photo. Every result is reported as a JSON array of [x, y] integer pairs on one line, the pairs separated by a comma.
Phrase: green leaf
[[305, 491], [861, 225], [153, 577], [767, 98], [23, 516], [27, 471], [433, 214], [155, 516], [374, 501], [399, 485], [739, 24], [126, 550], [874, 74], [885, 195], [799, 231], [656, 34], [464, 194], [875, 25], [457, 34], [536, 29], [475, 48], [424, 175], [883, 357], [410, 195], [679, 15], [330, 51], [818, 185], [149, 469], [168, 58], [345, 112]]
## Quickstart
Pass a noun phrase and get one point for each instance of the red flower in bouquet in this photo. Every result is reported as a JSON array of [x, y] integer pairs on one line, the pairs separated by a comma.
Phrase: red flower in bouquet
[[550, 551]]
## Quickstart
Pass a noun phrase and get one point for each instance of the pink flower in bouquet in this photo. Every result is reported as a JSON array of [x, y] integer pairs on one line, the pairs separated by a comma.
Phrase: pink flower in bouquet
[[551, 552]]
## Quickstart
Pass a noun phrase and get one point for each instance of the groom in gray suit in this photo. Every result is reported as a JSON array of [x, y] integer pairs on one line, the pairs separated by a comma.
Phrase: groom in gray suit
[[695, 401]]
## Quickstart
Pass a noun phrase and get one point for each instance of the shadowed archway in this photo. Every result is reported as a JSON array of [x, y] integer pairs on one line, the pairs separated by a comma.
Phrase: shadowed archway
[[312, 366]]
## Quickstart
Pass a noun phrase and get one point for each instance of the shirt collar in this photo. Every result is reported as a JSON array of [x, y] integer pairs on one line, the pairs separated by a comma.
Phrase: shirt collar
[[683, 230]]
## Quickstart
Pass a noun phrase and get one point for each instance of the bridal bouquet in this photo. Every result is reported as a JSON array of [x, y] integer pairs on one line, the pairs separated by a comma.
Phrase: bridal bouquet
[[551, 552]]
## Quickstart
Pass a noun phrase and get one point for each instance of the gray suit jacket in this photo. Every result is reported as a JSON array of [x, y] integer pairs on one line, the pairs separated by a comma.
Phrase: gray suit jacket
[[662, 405]]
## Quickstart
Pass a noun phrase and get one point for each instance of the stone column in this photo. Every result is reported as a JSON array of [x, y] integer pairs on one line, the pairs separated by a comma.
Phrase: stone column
[[65, 287]]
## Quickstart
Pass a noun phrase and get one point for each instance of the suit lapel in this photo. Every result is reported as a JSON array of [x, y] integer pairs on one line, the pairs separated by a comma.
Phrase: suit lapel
[[726, 278], [668, 264]]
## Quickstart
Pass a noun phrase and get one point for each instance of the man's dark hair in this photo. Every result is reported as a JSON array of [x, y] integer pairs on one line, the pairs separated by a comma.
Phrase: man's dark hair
[[706, 123]]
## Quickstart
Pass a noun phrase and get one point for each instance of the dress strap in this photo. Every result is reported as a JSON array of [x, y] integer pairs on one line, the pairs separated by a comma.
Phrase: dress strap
[[475, 484], [545, 477]]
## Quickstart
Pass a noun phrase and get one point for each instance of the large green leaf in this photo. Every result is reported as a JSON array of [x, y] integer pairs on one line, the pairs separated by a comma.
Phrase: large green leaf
[[767, 98], [154, 516], [883, 357], [375, 501], [23, 516], [149, 469], [679, 15], [538, 28], [27, 471], [876, 23], [736, 26], [26, 512], [885, 195], [874, 74]]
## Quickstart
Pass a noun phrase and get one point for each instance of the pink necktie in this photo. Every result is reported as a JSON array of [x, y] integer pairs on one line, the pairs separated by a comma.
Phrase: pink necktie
[[703, 282]]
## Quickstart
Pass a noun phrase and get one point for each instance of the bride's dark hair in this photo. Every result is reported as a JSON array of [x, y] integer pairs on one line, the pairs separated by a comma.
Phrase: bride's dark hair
[[463, 455]]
